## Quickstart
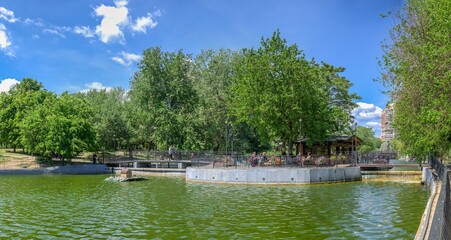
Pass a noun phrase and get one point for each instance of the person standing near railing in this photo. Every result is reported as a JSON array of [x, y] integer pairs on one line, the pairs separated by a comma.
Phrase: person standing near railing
[[262, 159], [252, 159], [171, 152], [299, 160]]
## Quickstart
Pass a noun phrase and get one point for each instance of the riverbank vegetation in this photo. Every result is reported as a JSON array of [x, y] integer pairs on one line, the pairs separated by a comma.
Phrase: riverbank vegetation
[[417, 71], [260, 98]]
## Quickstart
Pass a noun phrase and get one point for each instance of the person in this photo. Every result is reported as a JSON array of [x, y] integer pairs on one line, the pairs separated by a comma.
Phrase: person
[[252, 160], [171, 152], [299, 160], [263, 159], [94, 158]]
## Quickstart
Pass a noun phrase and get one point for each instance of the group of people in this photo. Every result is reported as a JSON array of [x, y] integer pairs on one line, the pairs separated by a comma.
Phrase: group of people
[[263, 160]]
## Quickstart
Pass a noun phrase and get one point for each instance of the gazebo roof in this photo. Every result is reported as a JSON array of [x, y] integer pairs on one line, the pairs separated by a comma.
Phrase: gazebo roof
[[343, 139]]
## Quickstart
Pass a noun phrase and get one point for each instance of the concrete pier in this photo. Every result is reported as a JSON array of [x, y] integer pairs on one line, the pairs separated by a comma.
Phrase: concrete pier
[[263, 175]]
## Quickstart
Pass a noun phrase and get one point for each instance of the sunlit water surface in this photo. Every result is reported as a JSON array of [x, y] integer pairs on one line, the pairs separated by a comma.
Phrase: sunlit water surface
[[67, 207]]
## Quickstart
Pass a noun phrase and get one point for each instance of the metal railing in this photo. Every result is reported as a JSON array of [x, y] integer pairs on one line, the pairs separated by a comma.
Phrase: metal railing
[[441, 222], [249, 160], [231, 159]]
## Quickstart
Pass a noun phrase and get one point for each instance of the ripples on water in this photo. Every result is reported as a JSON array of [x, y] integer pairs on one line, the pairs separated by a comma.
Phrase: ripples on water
[[67, 207]]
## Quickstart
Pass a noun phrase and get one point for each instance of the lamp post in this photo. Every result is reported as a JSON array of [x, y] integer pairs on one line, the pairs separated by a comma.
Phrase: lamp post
[[226, 137], [300, 136], [231, 158], [354, 129]]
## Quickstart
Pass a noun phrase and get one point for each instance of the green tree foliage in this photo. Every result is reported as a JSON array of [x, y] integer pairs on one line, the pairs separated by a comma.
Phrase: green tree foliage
[[60, 125], [212, 72], [112, 118], [274, 86], [369, 141], [20, 99], [253, 98], [44, 124], [163, 89], [417, 70]]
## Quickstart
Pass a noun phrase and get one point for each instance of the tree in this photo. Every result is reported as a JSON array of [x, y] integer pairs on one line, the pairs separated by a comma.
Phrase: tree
[[274, 87], [69, 128], [369, 141], [163, 89], [417, 71], [20, 99], [212, 73], [111, 117], [34, 127]]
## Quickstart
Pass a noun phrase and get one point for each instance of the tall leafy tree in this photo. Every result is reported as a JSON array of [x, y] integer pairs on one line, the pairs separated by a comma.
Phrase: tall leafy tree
[[274, 87], [213, 70], [111, 118], [417, 71], [369, 141], [163, 88], [20, 99], [69, 129], [34, 127]]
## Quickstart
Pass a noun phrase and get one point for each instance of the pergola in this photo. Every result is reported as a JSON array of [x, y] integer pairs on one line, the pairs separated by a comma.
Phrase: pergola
[[335, 145]]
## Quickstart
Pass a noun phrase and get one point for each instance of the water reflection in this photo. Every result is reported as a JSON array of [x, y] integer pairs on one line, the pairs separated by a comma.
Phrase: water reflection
[[168, 208]]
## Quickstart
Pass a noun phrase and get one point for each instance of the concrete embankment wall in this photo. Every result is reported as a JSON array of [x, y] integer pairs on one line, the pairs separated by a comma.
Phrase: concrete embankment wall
[[71, 169], [273, 175], [436, 220], [393, 176]]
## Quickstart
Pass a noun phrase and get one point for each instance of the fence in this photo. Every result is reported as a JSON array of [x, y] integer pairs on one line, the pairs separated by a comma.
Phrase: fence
[[441, 222], [229, 159]]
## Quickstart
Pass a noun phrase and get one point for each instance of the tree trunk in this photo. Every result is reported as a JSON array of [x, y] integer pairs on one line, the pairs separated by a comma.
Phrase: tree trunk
[[130, 152]]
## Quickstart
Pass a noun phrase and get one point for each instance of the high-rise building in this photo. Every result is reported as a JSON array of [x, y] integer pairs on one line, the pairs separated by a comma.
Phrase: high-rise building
[[388, 132]]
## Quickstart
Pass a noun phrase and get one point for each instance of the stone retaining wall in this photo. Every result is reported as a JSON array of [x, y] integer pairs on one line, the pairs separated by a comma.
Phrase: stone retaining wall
[[71, 169], [273, 175]]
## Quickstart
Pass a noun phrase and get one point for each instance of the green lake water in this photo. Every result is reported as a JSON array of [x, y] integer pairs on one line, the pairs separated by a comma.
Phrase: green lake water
[[86, 207]]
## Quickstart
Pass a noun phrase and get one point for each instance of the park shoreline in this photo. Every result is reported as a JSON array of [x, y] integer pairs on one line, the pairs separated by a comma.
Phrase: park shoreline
[[68, 169]]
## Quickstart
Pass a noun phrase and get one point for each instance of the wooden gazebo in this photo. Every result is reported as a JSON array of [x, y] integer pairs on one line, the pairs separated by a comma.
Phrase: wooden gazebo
[[335, 145]]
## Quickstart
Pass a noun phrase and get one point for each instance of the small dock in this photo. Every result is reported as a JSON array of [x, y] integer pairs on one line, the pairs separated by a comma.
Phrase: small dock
[[156, 164], [152, 170], [384, 166], [125, 179]]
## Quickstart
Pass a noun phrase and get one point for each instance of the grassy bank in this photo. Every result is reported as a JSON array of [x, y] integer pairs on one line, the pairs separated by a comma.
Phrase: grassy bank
[[20, 160]]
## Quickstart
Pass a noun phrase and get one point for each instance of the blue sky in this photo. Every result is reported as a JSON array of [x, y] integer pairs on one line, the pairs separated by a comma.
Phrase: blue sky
[[93, 44]]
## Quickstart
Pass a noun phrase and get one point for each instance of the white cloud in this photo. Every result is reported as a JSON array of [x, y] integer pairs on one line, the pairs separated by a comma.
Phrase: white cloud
[[37, 22], [143, 22], [87, 32], [7, 84], [121, 3], [4, 40], [126, 59], [119, 60], [54, 31], [96, 86], [7, 15], [373, 124], [114, 18], [363, 105], [369, 115], [366, 111]]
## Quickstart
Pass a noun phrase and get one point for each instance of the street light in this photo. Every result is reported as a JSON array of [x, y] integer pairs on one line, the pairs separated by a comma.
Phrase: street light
[[226, 137], [354, 128], [300, 136]]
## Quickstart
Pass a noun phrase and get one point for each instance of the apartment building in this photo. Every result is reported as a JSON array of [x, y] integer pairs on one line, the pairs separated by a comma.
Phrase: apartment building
[[388, 132]]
